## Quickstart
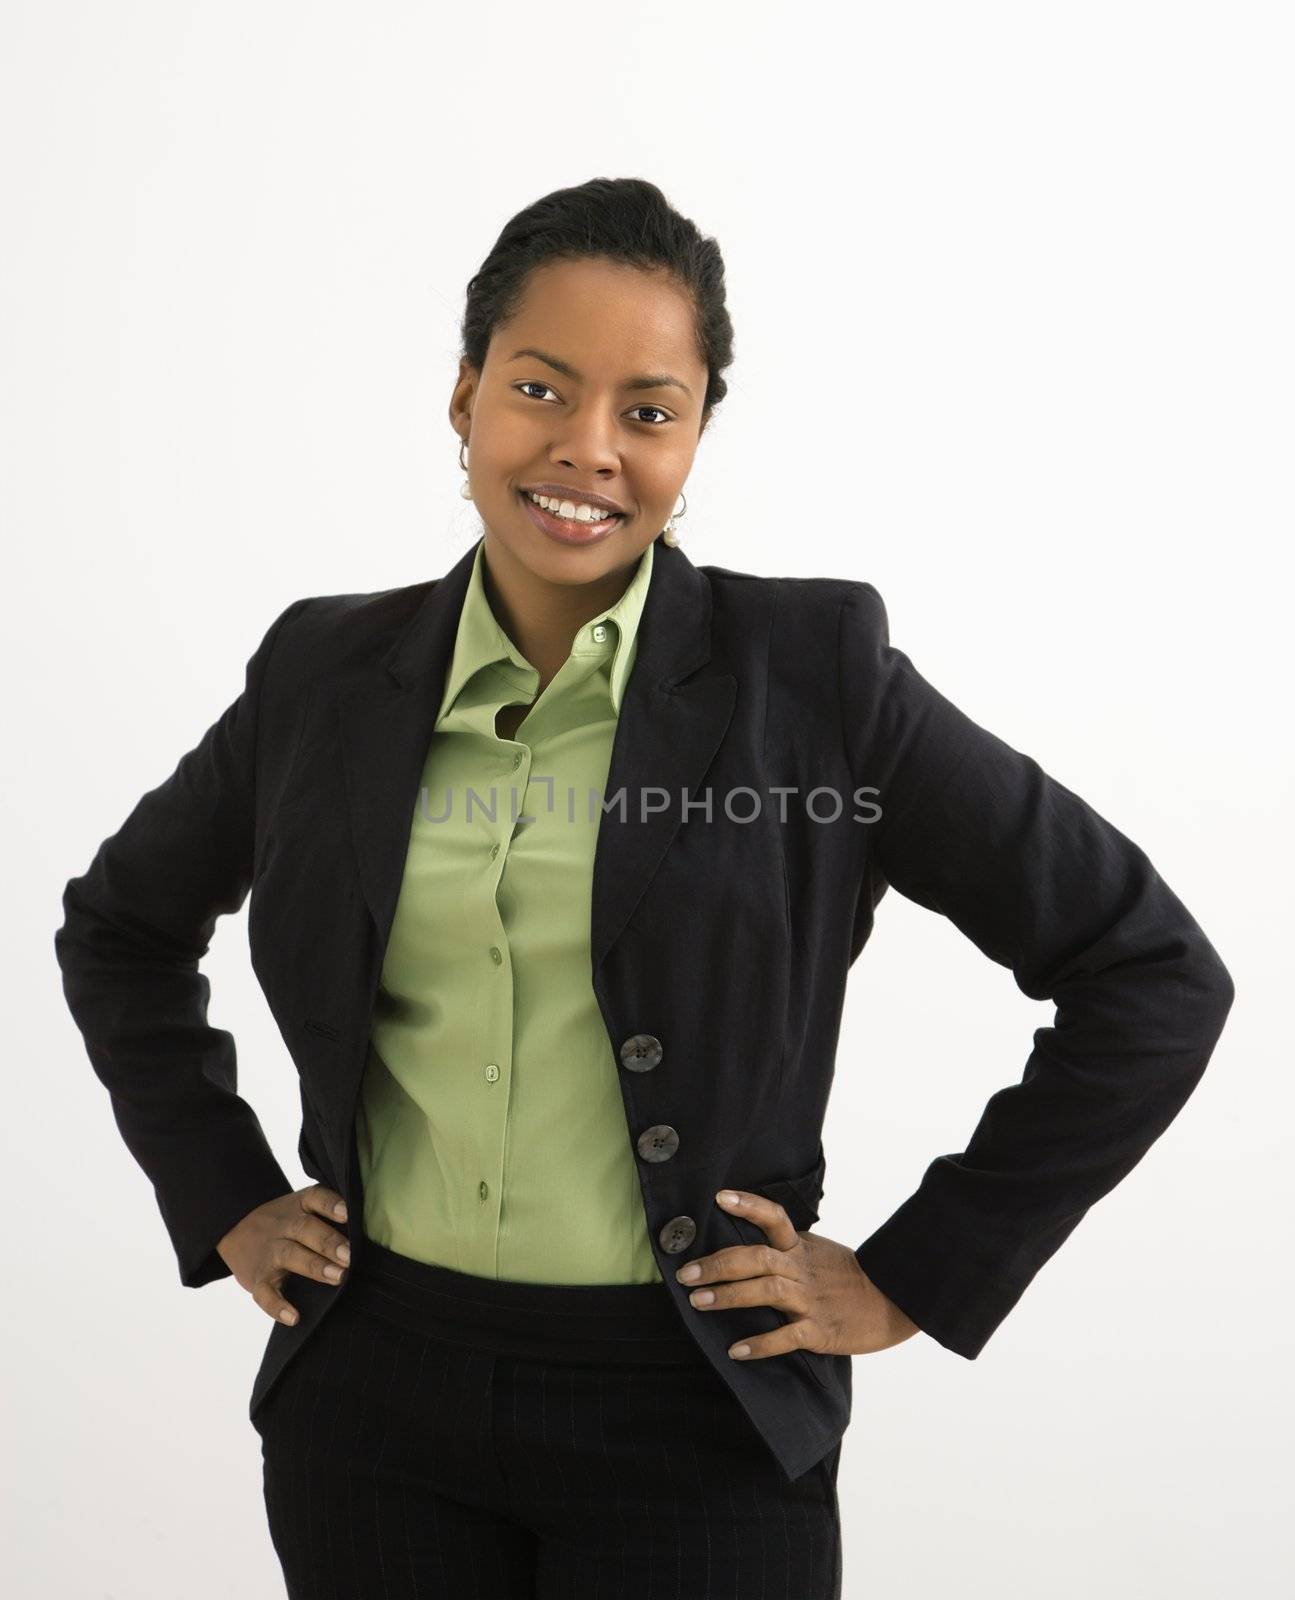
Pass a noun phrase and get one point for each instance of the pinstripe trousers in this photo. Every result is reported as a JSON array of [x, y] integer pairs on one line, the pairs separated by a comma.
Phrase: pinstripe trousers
[[446, 1435]]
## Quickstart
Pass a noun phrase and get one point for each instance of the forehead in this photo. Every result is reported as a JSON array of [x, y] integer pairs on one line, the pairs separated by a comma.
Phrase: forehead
[[601, 315]]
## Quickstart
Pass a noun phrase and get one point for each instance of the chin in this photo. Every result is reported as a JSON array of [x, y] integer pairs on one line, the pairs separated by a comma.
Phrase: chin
[[555, 562]]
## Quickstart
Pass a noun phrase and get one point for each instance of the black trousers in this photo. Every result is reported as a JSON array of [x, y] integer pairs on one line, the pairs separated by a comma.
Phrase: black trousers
[[445, 1435]]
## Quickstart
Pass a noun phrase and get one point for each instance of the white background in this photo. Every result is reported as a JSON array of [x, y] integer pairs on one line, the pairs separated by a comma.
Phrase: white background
[[1012, 293]]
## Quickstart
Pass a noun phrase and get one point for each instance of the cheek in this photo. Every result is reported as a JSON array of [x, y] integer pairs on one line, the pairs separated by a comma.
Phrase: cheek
[[494, 465], [664, 478], [502, 444]]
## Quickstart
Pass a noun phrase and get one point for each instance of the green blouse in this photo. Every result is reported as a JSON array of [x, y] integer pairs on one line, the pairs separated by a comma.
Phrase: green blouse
[[490, 1129]]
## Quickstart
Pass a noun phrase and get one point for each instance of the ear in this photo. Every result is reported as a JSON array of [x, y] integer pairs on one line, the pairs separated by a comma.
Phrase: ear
[[465, 388]]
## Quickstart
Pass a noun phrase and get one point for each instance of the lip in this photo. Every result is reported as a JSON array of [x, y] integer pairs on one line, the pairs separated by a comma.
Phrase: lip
[[564, 532], [564, 491]]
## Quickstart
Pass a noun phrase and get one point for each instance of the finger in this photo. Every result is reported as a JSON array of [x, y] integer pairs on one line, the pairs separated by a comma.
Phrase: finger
[[307, 1263], [765, 1213], [761, 1346], [325, 1202], [267, 1296], [771, 1289], [737, 1261], [315, 1234]]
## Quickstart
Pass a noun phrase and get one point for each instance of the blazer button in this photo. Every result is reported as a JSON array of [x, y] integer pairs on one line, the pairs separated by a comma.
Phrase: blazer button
[[677, 1235], [658, 1143], [640, 1053]]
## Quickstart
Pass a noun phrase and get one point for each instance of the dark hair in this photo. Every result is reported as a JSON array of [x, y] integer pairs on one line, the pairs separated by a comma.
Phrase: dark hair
[[623, 219]]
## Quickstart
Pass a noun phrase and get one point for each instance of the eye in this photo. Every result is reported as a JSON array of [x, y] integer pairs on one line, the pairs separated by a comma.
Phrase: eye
[[535, 383]]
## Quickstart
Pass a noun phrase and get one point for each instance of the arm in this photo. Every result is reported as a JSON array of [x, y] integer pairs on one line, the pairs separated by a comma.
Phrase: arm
[[1045, 886], [135, 925]]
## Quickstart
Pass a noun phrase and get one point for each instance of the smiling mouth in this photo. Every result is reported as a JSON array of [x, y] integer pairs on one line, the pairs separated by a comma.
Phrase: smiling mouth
[[569, 531], [573, 522]]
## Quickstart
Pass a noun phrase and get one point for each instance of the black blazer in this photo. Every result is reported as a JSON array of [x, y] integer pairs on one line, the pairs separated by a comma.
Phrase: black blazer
[[720, 947]]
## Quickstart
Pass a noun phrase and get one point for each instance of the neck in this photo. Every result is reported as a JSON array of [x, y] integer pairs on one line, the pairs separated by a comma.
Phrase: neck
[[543, 618]]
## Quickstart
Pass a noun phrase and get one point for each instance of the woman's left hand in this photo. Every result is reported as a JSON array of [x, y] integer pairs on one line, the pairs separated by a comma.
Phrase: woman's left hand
[[835, 1308]]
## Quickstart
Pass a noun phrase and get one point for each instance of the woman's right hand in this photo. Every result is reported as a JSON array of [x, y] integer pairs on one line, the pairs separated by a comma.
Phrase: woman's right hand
[[287, 1234]]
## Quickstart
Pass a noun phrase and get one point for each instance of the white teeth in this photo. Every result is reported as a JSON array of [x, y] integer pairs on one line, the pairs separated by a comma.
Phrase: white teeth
[[570, 510]]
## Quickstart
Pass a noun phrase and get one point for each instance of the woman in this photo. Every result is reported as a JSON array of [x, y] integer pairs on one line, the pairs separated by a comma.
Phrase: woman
[[564, 1069]]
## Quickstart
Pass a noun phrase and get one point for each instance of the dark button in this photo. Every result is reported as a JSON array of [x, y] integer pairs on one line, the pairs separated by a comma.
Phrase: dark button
[[640, 1053], [677, 1235], [658, 1143]]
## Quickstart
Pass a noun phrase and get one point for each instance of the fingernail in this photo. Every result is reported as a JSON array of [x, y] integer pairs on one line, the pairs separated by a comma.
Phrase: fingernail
[[740, 1350], [688, 1274], [344, 1253], [333, 1272], [339, 1210], [288, 1316], [726, 1197]]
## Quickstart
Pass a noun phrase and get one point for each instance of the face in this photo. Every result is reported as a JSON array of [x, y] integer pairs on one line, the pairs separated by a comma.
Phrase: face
[[589, 406]]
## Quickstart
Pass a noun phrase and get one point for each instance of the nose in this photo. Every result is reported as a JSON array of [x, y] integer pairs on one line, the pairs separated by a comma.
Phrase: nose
[[588, 444]]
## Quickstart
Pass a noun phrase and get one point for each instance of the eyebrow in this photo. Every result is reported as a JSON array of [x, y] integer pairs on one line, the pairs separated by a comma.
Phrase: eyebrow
[[648, 380]]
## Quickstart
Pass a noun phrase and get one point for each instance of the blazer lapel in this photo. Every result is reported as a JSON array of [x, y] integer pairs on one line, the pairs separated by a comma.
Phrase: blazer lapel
[[666, 736], [388, 719]]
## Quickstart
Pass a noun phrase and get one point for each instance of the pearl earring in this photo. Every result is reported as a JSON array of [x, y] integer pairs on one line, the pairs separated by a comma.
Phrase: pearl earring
[[669, 534]]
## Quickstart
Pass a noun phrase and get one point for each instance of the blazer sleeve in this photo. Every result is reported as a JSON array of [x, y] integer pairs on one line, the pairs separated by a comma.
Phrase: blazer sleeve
[[135, 926], [1045, 886]]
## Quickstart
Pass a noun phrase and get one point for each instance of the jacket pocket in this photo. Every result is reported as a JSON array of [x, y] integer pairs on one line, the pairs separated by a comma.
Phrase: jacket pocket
[[799, 1197]]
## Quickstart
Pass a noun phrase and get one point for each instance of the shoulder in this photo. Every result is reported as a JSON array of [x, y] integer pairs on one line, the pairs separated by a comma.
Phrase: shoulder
[[366, 615], [335, 628], [318, 637], [820, 635], [796, 601]]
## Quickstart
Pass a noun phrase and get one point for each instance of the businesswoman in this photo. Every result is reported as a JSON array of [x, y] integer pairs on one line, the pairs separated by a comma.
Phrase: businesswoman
[[557, 867]]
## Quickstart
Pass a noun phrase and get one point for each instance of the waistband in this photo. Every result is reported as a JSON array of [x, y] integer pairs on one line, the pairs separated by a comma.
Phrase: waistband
[[572, 1323]]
